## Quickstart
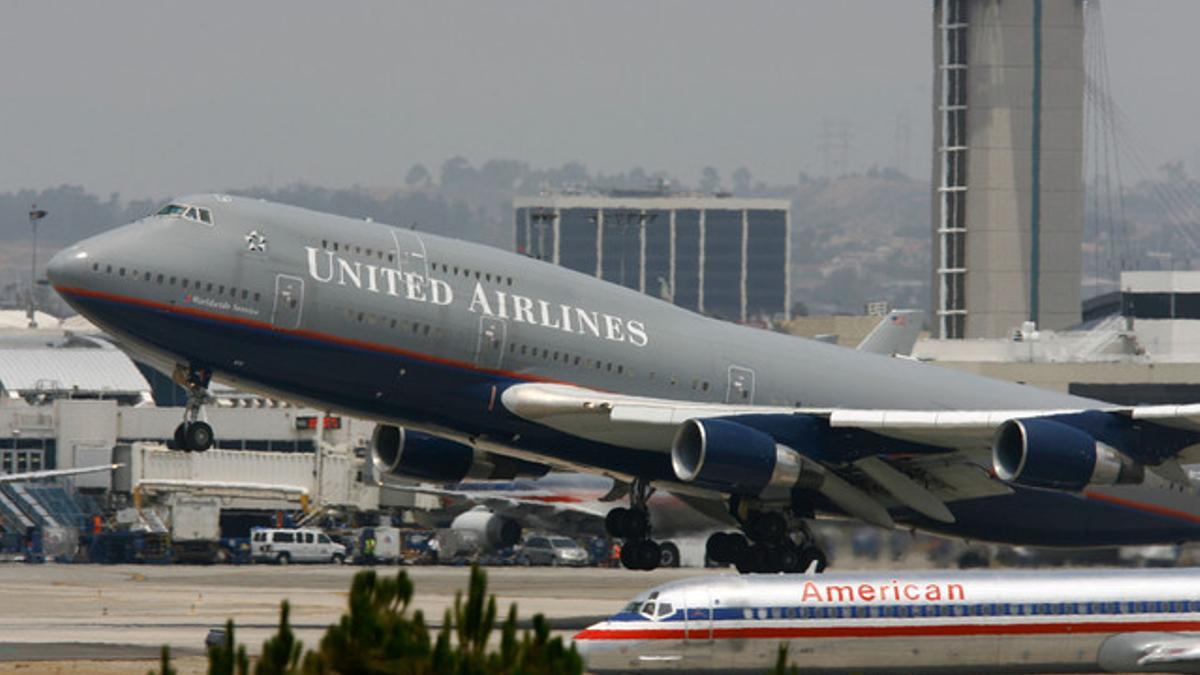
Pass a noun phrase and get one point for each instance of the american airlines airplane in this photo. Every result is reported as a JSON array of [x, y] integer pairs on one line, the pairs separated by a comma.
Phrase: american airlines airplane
[[477, 363], [904, 622]]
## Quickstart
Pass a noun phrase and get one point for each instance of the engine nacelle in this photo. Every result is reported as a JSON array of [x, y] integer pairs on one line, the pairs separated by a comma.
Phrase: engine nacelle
[[418, 456], [722, 455], [489, 529], [1049, 454]]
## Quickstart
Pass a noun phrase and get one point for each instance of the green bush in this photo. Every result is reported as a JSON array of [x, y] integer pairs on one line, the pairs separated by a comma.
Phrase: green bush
[[377, 636]]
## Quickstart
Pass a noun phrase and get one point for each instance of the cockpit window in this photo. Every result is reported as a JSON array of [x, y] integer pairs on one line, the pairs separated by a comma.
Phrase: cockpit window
[[195, 213], [665, 609]]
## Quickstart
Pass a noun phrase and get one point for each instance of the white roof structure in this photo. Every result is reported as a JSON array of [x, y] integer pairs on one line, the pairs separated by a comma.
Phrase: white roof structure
[[18, 318], [76, 370]]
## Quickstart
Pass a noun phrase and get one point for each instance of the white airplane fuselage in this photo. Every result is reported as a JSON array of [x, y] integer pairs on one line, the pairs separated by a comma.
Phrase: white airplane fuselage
[[908, 622]]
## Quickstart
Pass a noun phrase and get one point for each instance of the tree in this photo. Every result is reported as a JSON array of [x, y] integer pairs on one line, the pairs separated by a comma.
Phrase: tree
[[741, 181], [377, 635], [418, 176]]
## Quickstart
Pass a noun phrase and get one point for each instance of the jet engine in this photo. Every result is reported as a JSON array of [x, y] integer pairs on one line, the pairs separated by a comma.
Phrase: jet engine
[[1049, 454], [733, 458], [490, 530], [418, 456]]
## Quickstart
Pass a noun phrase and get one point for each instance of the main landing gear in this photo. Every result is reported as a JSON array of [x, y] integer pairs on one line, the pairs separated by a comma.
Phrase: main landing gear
[[632, 525], [193, 434], [766, 545]]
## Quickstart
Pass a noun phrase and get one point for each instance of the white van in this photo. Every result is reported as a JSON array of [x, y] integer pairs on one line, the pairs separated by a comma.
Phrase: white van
[[295, 546]]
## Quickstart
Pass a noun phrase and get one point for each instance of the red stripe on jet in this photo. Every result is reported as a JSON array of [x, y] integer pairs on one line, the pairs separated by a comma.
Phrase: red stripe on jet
[[959, 630], [1142, 506], [314, 335]]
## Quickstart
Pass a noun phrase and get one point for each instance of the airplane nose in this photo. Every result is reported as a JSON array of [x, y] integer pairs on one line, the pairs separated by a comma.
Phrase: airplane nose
[[66, 265]]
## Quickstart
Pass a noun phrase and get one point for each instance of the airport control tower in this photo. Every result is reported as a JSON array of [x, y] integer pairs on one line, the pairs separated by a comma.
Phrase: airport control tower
[[1007, 169]]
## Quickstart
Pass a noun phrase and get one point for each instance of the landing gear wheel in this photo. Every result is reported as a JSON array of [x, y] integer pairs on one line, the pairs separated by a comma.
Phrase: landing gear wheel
[[669, 555], [637, 524], [769, 527], [199, 436], [181, 437], [648, 554], [614, 522]]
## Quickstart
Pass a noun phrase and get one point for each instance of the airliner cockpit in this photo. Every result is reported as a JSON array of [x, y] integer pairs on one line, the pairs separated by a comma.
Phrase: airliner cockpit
[[187, 212]]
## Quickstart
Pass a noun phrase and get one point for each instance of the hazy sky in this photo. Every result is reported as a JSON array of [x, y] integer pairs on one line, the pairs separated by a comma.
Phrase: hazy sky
[[154, 98]]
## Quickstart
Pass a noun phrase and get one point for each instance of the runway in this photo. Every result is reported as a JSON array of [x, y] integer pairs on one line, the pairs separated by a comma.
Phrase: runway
[[93, 618]]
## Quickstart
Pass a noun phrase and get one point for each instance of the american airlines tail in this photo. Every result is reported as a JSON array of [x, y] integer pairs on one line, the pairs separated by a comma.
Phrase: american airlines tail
[[952, 622]]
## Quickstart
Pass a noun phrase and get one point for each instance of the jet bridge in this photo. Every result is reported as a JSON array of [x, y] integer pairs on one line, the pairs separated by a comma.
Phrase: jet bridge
[[245, 479]]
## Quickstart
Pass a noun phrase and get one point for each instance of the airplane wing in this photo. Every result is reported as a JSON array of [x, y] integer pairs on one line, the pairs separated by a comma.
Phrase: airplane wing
[[53, 473], [506, 504], [868, 459], [895, 335]]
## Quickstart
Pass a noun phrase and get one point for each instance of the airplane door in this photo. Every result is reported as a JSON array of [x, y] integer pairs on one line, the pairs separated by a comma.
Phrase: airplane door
[[740, 390], [410, 252], [489, 349], [289, 301], [698, 628]]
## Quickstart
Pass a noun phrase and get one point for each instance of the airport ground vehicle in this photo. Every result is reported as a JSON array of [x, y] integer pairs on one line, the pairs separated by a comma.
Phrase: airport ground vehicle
[[285, 546], [553, 551], [909, 622], [196, 529]]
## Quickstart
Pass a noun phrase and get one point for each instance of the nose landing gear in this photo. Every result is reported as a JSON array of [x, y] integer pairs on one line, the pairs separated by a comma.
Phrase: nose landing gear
[[194, 434]]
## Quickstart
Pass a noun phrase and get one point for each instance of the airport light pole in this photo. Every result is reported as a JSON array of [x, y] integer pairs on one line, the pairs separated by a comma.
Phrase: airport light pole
[[35, 214]]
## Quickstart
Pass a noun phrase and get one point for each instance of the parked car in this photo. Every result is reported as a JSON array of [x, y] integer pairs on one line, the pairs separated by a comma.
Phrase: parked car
[[540, 550], [284, 546]]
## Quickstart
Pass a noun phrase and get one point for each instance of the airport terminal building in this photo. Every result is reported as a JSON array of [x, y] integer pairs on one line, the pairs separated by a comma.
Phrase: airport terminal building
[[726, 257]]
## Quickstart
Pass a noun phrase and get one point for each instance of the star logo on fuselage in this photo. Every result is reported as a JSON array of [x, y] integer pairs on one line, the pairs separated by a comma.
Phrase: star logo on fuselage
[[256, 242]]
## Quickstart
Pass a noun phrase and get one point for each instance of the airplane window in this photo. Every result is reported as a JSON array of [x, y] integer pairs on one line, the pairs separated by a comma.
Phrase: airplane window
[[208, 288], [221, 289], [335, 246], [232, 292], [367, 252], [391, 257], [393, 323], [427, 329], [704, 386], [360, 317], [122, 271], [171, 281], [665, 609], [108, 269], [160, 279], [95, 267], [324, 243], [510, 281], [476, 274], [620, 369], [191, 213], [576, 360], [487, 277], [257, 296], [522, 350], [245, 293], [358, 250], [183, 283], [170, 210], [146, 277], [205, 216]]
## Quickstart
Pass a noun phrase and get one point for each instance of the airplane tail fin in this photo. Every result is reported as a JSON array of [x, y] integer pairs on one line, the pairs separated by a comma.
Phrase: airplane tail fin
[[895, 335]]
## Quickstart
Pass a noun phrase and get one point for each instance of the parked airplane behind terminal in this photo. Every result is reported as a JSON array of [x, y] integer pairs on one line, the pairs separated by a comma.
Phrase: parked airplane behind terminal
[[478, 362], [905, 622]]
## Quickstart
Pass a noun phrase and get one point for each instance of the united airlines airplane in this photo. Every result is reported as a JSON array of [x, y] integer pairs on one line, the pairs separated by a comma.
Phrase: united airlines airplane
[[929, 622], [476, 363]]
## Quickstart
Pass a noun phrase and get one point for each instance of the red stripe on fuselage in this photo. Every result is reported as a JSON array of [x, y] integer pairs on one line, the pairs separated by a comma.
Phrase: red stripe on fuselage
[[310, 334], [906, 630], [1141, 506]]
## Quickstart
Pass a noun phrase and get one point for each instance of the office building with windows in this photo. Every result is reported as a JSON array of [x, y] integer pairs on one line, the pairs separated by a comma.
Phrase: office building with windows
[[726, 257]]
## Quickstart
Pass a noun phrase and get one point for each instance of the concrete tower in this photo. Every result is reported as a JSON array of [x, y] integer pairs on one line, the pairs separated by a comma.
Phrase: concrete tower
[[1007, 169]]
